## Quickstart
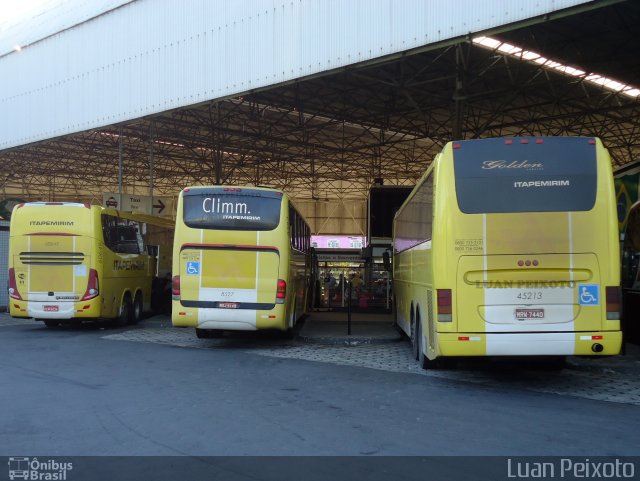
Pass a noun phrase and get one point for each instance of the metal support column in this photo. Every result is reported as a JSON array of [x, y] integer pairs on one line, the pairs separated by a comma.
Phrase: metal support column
[[120, 147], [458, 95], [151, 159]]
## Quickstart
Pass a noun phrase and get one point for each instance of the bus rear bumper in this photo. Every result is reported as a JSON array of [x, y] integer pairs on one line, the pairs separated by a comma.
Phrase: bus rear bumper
[[61, 310], [597, 343], [227, 319]]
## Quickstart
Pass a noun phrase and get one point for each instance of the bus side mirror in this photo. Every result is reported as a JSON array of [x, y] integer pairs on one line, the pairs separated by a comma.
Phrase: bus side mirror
[[386, 260]]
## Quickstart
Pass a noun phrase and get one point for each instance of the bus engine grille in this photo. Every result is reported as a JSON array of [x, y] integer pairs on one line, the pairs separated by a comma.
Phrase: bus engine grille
[[52, 258]]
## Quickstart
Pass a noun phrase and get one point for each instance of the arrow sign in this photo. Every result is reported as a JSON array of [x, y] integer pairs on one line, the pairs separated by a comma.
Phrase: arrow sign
[[160, 206]]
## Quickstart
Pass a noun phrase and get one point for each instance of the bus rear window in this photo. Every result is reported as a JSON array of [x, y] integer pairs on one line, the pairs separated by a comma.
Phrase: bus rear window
[[524, 175], [217, 208]]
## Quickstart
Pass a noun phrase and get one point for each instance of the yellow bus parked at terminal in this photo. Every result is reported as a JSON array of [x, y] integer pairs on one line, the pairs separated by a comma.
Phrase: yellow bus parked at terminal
[[74, 262], [509, 247], [240, 260]]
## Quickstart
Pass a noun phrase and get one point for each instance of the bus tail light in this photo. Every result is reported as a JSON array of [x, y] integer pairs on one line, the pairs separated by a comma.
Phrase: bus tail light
[[13, 287], [281, 293], [92, 286], [613, 303], [175, 288], [444, 305]]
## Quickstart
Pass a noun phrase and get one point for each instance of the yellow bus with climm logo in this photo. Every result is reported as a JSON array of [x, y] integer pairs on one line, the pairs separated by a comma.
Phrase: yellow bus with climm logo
[[241, 260], [509, 247], [72, 262]]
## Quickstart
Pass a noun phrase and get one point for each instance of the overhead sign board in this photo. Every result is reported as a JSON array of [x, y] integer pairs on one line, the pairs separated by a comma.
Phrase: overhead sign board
[[159, 207], [142, 204], [337, 242], [111, 200], [136, 203]]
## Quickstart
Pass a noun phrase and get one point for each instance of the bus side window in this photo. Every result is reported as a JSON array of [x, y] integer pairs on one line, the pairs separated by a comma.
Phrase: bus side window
[[140, 229], [121, 235], [109, 231], [410, 234], [292, 226], [129, 240]]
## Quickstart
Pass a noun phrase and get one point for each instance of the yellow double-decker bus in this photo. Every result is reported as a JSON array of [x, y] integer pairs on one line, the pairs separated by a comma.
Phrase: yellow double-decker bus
[[240, 260], [74, 262], [510, 247]]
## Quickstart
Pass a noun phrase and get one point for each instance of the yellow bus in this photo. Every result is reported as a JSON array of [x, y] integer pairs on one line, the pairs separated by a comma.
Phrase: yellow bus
[[240, 260], [509, 247], [71, 262]]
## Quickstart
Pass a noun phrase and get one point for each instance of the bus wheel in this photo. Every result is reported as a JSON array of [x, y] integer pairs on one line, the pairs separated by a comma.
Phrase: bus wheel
[[125, 311], [289, 334], [51, 324], [135, 314], [202, 333], [553, 363], [415, 331], [423, 361], [292, 317], [209, 333]]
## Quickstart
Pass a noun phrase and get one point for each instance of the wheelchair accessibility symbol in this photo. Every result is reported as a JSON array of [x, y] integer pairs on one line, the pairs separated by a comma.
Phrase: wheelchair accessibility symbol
[[589, 294], [193, 267]]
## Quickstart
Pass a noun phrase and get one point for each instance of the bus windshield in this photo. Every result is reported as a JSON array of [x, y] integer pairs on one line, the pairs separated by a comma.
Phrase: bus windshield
[[558, 175], [218, 208]]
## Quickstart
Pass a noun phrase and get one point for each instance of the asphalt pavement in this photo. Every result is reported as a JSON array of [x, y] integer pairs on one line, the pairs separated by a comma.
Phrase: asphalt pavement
[[156, 390]]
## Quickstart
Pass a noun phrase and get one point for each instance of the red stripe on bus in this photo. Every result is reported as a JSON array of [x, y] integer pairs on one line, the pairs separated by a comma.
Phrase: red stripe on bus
[[229, 246]]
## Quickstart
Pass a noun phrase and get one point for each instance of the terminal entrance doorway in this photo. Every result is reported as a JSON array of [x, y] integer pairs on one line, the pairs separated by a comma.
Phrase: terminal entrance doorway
[[370, 283]]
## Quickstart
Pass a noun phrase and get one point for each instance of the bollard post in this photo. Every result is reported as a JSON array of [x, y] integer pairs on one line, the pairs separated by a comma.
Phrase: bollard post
[[387, 301], [349, 311]]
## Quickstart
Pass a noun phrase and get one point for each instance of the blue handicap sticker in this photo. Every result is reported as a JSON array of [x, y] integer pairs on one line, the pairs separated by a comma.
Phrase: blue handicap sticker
[[589, 294], [193, 267]]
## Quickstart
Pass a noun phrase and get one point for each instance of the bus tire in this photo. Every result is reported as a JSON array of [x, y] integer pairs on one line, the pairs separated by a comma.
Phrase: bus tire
[[553, 363], [135, 313], [202, 333], [423, 361], [289, 333], [51, 324], [414, 336], [125, 311], [209, 333], [292, 317]]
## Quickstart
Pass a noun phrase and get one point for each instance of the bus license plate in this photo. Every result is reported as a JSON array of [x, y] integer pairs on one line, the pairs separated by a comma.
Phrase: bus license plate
[[529, 313], [228, 305], [51, 308]]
